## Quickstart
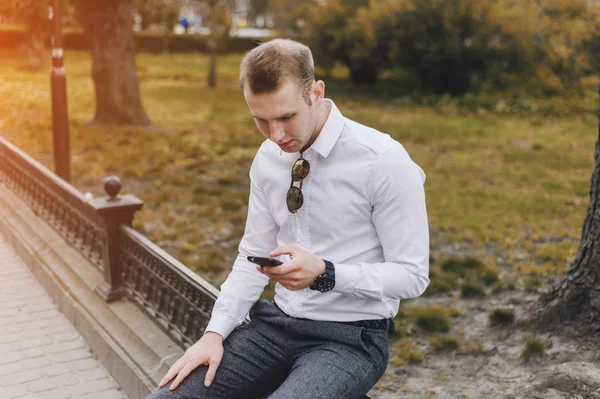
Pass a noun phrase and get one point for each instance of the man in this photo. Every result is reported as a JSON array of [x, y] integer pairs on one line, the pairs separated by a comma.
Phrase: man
[[343, 206]]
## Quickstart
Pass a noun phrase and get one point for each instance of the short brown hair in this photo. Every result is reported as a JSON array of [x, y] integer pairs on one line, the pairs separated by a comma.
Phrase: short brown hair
[[266, 67]]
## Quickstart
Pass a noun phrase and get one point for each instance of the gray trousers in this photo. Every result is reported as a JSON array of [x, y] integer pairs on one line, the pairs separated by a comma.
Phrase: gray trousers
[[279, 356]]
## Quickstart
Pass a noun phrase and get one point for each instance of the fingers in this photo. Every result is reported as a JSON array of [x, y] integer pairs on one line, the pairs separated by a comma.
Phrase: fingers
[[173, 371], [182, 374], [213, 365], [284, 249], [286, 271]]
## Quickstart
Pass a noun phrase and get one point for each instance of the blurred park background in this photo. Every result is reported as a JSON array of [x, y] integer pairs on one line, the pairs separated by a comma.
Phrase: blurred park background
[[495, 99]]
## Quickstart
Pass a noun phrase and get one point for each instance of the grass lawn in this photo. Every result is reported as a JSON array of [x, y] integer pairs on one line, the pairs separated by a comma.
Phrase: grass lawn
[[517, 182]]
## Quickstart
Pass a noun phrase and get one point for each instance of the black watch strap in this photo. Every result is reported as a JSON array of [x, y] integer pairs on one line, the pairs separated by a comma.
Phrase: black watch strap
[[325, 281]]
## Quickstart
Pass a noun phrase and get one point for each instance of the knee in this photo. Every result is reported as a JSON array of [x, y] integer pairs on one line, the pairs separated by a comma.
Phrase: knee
[[163, 393]]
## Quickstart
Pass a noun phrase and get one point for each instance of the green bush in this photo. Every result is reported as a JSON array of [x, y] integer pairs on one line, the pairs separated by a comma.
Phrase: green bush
[[489, 276], [342, 31], [502, 317], [440, 282], [462, 267], [433, 320], [442, 343], [460, 46], [534, 347], [471, 290]]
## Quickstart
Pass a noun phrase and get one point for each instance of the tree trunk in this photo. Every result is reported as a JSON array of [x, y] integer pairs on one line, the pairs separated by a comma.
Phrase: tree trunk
[[578, 294], [108, 26]]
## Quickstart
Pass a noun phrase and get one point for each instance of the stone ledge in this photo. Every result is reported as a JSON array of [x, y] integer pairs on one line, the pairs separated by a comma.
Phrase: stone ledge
[[133, 349]]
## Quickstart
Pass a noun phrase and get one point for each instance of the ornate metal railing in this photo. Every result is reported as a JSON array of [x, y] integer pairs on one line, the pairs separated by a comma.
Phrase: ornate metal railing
[[55, 200], [175, 298]]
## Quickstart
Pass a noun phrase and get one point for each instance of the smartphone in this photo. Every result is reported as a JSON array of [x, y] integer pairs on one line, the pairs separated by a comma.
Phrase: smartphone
[[264, 261]]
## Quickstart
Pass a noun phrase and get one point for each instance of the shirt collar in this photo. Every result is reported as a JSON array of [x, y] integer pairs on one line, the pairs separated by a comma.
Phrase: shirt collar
[[331, 130]]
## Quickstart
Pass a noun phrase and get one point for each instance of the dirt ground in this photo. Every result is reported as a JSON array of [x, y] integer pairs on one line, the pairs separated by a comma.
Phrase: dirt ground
[[570, 367]]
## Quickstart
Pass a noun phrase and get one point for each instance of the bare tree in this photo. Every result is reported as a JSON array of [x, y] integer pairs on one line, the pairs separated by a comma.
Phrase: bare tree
[[578, 294]]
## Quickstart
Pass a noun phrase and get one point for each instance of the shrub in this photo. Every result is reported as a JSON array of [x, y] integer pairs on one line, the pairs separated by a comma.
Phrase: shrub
[[534, 347], [503, 286], [461, 267], [532, 283], [433, 319], [406, 352], [343, 31], [502, 317], [471, 290], [472, 347], [439, 281], [489, 276], [442, 343]]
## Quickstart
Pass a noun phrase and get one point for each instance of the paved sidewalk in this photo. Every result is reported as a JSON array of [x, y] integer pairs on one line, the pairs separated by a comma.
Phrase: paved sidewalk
[[41, 354]]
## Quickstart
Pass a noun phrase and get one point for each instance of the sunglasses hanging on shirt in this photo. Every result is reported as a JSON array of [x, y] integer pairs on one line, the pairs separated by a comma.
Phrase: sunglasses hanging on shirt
[[294, 198]]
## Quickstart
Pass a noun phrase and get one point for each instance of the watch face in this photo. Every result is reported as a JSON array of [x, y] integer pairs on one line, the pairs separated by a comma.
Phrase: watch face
[[325, 284]]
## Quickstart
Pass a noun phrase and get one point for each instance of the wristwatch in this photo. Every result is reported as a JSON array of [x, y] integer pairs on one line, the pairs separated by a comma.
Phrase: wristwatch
[[326, 281]]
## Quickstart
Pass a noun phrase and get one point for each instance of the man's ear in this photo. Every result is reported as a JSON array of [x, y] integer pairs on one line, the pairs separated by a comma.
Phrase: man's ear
[[319, 91]]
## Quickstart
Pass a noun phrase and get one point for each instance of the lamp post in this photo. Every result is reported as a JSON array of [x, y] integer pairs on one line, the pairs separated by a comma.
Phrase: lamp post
[[58, 86]]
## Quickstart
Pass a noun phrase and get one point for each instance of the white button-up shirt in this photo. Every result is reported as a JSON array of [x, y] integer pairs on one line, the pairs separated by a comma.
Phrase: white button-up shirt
[[364, 210]]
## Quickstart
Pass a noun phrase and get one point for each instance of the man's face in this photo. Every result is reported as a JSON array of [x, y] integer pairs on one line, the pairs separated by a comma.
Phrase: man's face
[[283, 116]]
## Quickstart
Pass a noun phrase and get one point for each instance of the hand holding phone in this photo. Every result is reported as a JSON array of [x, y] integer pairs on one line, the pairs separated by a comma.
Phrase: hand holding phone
[[264, 261]]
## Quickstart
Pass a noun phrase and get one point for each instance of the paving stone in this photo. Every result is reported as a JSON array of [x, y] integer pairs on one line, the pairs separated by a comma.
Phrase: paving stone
[[35, 342], [111, 394], [39, 307], [56, 369], [44, 323], [92, 374], [44, 384], [9, 313], [5, 321], [34, 352], [10, 357], [84, 364], [10, 347], [69, 356], [8, 338], [15, 391], [92, 386], [11, 368], [65, 336], [66, 380], [59, 393], [20, 377], [11, 328], [66, 346], [37, 362]]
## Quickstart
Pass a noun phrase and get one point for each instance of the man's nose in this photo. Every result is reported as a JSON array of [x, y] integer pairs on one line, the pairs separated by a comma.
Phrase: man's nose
[[276, 132]]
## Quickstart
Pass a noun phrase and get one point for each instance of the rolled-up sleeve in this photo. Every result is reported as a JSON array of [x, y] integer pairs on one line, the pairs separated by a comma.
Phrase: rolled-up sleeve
[[397, 195]]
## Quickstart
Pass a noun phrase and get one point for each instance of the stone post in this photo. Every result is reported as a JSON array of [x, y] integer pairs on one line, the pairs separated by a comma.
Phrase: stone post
[[115, 210]]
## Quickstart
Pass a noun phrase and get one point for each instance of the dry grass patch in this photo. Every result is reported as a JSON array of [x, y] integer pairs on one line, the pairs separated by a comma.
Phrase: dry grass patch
[[444, 343], [407, 353]]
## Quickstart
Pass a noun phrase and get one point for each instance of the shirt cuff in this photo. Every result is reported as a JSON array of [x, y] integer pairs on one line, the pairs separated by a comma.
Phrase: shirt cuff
[[345, 278], [221, 324]]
